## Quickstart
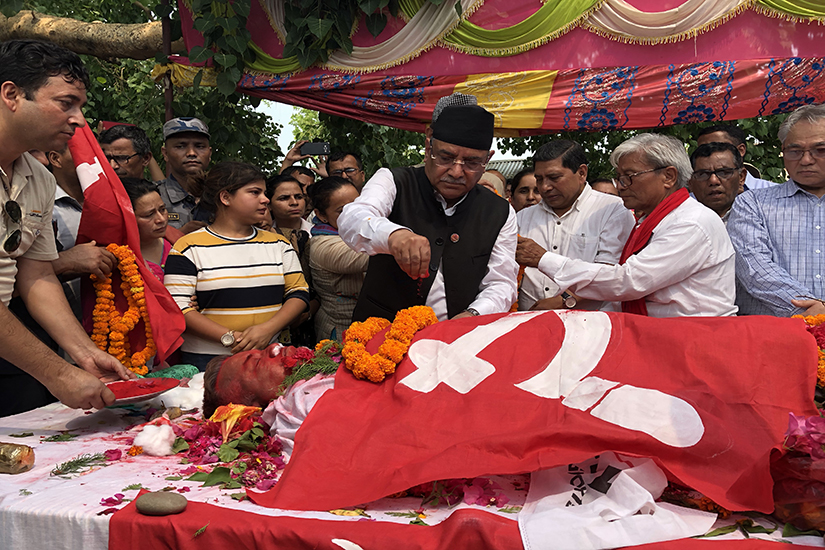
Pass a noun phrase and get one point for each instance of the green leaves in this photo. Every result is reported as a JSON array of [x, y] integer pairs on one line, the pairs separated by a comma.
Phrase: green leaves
[[319, 27], [226, 40]]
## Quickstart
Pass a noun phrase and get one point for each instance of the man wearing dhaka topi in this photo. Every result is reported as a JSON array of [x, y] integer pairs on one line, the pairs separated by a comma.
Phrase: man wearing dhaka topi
[[678, 260], [435, 237]]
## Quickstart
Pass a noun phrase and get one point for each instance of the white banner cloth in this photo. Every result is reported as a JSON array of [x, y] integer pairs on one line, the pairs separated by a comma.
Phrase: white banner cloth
[[604, 502]]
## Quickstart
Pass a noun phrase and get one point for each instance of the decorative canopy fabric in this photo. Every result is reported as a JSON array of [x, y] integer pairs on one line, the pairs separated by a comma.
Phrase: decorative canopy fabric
[[558, 64]]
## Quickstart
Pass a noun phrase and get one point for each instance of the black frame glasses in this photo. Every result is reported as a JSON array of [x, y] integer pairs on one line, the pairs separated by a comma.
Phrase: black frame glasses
[[704, 175], [121, 159], [13, 238], [627, 180]]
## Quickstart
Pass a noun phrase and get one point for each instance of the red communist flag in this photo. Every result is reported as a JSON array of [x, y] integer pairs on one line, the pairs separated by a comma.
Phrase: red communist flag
[[108, 218], [707, 398]]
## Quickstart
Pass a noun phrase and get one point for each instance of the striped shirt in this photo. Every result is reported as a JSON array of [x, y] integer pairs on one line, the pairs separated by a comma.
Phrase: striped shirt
[[238, 282], [780, 250]]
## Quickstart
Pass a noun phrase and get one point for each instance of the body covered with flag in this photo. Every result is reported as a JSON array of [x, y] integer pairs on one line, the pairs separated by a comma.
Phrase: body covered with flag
[[108, 218], [707, 398]]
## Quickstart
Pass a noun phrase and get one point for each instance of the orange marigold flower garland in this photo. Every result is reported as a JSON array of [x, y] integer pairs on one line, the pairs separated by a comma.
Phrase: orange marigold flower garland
[[396, 343], [816, 326], [111, 329]]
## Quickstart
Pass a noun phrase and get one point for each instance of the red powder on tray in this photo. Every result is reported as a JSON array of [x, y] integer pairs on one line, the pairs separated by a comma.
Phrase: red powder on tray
[[126, 389]]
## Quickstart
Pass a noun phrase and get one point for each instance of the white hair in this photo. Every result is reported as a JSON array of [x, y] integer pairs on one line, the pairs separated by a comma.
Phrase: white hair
[[811, 114], [658, 151]]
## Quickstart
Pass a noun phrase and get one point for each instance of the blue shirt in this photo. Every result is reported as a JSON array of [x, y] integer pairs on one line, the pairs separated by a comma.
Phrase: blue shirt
[[779, 236]]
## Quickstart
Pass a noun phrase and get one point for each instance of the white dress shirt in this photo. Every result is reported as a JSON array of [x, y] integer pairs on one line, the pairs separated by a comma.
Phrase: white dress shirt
[[595, 229], [687, 268], [364, 226], [755, 183]]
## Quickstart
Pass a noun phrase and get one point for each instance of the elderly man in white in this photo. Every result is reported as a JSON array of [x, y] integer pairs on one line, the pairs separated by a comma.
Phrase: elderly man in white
[[678, 260], [572, 220]]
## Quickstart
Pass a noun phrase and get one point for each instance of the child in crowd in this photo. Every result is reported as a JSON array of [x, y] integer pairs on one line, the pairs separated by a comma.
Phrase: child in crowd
[[248, 283], [151, 217], [337, 270]]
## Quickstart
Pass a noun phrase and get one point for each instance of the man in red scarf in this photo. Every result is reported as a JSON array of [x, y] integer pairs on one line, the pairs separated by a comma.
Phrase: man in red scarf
[[678, 261]]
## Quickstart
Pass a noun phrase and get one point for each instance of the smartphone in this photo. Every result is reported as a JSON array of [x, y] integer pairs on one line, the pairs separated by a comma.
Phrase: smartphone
[[315, 148]]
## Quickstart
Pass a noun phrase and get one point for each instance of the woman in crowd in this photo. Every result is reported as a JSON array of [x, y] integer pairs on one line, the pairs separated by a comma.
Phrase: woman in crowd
[[523, 190], [151, 217], [337, 270], [248, 283], [288, 206]]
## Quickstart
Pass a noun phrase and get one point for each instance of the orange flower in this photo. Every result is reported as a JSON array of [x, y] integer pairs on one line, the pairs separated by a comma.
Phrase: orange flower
[[229, 415], [396, 343], [109, 325]]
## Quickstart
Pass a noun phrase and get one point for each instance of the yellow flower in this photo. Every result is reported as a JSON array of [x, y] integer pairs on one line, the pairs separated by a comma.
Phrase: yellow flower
[[229, 415]]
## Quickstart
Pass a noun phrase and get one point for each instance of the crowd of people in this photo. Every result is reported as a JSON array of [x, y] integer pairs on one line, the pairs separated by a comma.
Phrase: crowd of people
[[295, 257]]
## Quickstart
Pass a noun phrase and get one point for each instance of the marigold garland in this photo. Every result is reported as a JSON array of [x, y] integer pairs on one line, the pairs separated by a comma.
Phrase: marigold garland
[[396, 343], [111, 329], [814, 322]]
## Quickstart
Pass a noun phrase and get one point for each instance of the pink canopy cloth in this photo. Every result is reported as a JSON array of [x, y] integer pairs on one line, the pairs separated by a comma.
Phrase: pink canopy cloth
[[557, 65]]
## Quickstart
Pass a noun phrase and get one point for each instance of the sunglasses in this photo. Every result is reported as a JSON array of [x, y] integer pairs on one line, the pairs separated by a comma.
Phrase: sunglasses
[[13, 238]]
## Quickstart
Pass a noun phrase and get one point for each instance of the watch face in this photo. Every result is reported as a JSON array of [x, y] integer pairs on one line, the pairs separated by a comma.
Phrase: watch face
[[228, 339], [570, 302]]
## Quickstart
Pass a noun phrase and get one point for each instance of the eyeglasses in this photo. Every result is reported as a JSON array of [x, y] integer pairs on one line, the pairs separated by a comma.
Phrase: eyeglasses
[[627, 180], [120, 159], [343, 171], [797, 154], [13, 238], [470, 165], [721, 174]]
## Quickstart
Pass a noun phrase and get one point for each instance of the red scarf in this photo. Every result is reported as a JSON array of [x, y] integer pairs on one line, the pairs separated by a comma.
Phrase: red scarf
[[641, 235]]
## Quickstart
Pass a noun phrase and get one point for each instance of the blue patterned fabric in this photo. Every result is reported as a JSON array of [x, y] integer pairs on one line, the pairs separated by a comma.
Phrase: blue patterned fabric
[[779, 236]]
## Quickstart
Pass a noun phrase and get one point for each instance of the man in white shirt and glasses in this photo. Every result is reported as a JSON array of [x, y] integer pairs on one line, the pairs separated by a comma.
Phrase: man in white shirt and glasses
[[678, 260], [778, 232], [573, 220], [435, 237]]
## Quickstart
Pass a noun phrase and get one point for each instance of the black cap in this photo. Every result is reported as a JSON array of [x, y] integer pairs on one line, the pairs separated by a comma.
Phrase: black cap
[[468, 126]]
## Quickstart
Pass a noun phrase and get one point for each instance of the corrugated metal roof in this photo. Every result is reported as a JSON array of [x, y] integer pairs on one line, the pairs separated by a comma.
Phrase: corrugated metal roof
[[509, 167]]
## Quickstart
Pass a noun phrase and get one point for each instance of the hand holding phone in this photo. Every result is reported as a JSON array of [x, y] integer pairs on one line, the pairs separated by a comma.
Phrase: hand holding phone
[[315, 148]]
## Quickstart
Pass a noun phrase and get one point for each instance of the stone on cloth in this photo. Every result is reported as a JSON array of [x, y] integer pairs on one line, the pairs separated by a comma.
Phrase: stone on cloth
[[161, 504]]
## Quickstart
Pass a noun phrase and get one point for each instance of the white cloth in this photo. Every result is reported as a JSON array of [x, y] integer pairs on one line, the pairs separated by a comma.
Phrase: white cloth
[[755, 183], [286, 414], [595, 229], [364, 226], [687, 268], [604, 502]]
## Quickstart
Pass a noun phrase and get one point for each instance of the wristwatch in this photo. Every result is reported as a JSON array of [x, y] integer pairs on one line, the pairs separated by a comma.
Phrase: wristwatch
[[568, 300], [228, 339], [472, 312]]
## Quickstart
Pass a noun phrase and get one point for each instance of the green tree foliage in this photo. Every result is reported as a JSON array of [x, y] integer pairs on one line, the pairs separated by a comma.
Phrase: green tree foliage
[[378, 146], [763, 145], [122, 91]]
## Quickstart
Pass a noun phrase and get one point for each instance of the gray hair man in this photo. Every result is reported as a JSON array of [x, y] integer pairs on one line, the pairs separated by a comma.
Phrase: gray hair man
[[678, 260], [778, 231]]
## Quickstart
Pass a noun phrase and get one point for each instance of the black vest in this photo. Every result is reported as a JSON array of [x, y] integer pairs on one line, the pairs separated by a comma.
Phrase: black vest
[[461, 242]]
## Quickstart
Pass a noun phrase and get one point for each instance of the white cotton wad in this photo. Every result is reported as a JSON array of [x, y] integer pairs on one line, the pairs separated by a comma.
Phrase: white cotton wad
[[185, 398], [156, 440]]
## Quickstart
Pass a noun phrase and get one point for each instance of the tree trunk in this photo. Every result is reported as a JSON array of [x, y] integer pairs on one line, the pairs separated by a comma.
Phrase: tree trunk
[[104, 40]]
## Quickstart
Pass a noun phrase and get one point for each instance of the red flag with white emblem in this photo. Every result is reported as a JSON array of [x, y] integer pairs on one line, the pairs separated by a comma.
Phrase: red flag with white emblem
[[707, 398], [108, 218]]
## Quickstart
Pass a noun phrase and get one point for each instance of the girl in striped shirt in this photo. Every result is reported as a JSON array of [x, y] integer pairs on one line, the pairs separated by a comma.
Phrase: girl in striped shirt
[[248, 282]]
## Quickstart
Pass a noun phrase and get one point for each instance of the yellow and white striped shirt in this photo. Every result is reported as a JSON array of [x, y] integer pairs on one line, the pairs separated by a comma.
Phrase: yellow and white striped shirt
[[238, 282]]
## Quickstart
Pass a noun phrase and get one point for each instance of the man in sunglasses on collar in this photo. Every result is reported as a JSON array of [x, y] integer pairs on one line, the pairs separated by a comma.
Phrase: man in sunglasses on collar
[[435, 237], [42, 90]]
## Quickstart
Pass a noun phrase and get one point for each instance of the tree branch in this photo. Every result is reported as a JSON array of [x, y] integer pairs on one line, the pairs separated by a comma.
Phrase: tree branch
[[104, 40]]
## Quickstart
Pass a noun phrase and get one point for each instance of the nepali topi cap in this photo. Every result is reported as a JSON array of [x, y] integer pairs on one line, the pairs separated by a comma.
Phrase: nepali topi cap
[[468, 126]]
